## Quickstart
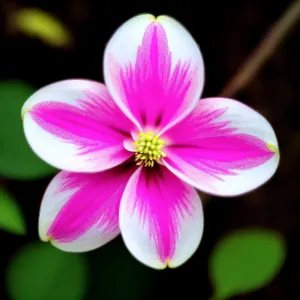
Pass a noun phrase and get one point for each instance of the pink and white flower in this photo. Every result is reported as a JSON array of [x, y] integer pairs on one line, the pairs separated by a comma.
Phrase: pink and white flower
[[134, 150]]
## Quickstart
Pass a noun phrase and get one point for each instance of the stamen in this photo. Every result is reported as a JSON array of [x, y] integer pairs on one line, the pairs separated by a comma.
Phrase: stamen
[[148, 149]]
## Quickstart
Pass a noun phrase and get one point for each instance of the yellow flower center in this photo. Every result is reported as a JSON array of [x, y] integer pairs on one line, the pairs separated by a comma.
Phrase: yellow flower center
[[148, 149]]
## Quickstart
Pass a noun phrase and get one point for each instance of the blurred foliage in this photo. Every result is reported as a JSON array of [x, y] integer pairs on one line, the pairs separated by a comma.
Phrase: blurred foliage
[[245, 261], [17, 160], [11, 218], [40, 24], [120, 274], [41, 272]]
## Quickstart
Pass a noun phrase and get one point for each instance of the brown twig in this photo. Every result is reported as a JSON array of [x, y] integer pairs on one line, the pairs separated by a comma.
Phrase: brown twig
[[268, 45]]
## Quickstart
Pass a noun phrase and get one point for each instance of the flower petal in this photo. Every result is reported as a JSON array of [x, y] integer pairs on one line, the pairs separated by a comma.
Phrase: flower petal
[[80, 211], [74, 125], [161, 218], [154, 71], [223, 147]]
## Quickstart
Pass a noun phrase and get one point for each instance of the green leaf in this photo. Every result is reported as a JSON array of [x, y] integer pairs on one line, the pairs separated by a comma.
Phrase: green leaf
[[244, 261], [42, 272], [11, 218], [17, 160], [38, 23]]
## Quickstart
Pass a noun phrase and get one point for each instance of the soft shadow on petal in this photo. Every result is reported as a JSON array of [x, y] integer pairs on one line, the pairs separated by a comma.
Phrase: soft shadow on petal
[[223, 147], [80, 212], [154, 70], [161, 218], [74, 125]]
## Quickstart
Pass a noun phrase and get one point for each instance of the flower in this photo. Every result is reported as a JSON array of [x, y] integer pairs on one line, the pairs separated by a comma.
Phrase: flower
[[134, 150]]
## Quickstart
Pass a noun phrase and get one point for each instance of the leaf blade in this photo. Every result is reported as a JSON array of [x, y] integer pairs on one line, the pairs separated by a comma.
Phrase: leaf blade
[[38, 23], [17, 160], [245, 261], [40, 271], [11, 218]]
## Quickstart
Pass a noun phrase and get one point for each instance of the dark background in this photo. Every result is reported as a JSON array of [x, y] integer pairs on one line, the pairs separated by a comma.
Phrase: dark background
[[227, 31]]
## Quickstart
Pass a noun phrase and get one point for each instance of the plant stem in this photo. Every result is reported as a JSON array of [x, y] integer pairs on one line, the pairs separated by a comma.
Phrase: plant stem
[[268, 45]]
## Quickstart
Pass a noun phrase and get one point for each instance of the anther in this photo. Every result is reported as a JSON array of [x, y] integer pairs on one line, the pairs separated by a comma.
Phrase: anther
[[148, 149]]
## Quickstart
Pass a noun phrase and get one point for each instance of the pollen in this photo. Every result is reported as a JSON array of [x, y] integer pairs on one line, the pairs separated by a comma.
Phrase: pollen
[[148, 149]]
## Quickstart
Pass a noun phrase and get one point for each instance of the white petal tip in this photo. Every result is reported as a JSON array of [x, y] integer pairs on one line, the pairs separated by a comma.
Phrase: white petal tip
[[173, 265], [45, 239], [43, 233], [169, 263], [24, 112], [162, 18], [272, 148], [151, 17], [159, 267]]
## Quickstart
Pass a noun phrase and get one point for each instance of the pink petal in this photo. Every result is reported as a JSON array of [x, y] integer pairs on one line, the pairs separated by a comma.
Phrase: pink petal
[[75, 125], [161, 218], [223, 147], [80, 212], [154, 71]]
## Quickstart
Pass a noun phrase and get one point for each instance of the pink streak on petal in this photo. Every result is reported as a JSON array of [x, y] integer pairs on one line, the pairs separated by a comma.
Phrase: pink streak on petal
[[162, 201], [155, 92], [95, 124], [96, 199], [213, 146]]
